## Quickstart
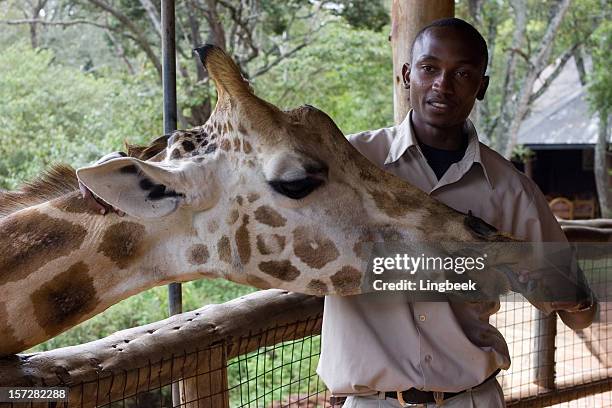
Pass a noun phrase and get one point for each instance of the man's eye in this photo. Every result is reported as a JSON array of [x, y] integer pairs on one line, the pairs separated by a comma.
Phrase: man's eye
[[463, 74], [296, 189], [427, 68]]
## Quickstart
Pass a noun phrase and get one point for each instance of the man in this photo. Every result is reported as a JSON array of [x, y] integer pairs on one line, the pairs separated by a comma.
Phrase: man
[[446, 352]]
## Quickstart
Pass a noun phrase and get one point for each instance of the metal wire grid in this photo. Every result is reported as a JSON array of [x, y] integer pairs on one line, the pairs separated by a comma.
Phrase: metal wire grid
[[283, 374]]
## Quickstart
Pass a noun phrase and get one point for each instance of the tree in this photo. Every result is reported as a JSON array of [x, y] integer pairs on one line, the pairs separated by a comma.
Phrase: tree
[[600, 97], [524, 38]]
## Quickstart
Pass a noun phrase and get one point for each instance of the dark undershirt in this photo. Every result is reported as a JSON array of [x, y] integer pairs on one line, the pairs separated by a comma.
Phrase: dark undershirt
[[440, 160]]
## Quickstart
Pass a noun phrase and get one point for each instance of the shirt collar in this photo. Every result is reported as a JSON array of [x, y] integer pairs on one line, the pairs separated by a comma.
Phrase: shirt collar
[[405, 138]]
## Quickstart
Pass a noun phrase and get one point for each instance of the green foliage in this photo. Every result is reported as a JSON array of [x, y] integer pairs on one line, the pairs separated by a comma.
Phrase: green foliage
[[347, 75], [600, 80], [52, 113], [364, 14]]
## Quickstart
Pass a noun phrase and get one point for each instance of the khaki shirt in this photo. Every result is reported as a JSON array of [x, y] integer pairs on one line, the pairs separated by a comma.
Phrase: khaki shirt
[[384, 342]]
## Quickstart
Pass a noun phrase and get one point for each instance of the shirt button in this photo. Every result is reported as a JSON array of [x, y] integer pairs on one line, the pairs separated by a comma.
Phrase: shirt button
[[422, 318], [428, 358]]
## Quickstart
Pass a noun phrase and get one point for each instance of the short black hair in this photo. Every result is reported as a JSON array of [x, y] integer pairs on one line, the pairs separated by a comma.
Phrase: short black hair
[[462, 26]]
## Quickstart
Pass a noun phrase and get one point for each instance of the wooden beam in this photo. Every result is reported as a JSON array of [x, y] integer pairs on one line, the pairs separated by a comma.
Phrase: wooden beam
[[184, 346], [407, 18]]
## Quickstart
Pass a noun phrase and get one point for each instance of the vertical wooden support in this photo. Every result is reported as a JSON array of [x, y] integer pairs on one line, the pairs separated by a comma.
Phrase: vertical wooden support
[[210, 388], [407, 18], [529, 167], [544, 353]]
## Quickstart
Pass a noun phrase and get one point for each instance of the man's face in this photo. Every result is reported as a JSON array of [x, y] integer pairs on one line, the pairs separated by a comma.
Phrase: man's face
[[445, 78]]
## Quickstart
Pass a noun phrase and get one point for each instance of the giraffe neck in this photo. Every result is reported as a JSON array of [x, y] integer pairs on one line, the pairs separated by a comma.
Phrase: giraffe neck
[[69, 264]]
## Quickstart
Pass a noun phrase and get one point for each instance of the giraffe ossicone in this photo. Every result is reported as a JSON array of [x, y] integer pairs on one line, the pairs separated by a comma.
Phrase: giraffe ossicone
[[257, 195]]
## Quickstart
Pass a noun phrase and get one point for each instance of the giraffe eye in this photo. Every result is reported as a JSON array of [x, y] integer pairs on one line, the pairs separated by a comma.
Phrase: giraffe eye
[[296, 189]]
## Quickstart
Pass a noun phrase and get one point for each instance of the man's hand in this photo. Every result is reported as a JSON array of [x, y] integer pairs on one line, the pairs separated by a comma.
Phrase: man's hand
[[96, 203], [575, 315]]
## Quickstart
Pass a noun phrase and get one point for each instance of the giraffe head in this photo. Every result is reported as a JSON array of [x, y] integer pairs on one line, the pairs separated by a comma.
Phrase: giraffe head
[[271, 198]]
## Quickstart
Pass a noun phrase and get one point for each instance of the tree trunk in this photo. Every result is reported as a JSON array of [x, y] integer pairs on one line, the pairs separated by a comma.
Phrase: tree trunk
[[601, 168], [407, 18], [537, 64]]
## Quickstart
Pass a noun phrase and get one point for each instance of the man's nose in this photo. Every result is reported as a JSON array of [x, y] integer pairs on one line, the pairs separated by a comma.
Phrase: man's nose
[[443, 82]]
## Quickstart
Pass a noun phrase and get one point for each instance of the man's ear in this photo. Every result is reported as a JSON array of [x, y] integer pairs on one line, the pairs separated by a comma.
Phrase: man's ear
[[140, 189], [484, 84], [406, 75]]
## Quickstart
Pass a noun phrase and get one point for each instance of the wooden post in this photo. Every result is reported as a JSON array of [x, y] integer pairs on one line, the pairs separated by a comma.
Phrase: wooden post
[[407, 18], [544, 353]]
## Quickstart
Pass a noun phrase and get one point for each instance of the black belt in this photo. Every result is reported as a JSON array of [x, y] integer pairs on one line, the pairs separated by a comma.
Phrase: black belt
[[414, 396]]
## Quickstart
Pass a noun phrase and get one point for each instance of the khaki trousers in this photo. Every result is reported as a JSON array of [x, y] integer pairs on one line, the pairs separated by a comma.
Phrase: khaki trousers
[[487, 395]]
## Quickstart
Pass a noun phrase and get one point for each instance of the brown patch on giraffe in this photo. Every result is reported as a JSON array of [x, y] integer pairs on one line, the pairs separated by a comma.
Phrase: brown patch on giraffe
[[197, 254], [396, 204], [269, 216], [224, 250], [213, 226], [247, 147], [252, 197], [64, 300], [318, 287], [282, 270], [239, 200], [243, 242], [367, 175], [10, 342], [268, 244], [314, 249], [225, 145], [73, 203], [250, 163], [31, 240], [346, 281], [237, 144], [258, 282], [232, 217], [123, 242], [363, 247], [242, 129]]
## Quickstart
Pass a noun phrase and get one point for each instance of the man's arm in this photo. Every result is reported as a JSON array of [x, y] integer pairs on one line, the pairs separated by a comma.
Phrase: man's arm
[[540, 225]]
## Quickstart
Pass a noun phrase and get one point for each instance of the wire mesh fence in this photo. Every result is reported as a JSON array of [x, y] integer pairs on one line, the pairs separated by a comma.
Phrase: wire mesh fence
[[271, 362]]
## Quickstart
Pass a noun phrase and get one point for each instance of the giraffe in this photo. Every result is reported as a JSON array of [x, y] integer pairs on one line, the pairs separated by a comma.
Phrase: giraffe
[[256, 195]]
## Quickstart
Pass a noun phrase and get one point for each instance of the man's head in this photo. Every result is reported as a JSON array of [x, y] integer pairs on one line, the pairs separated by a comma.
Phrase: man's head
[[447, 72]]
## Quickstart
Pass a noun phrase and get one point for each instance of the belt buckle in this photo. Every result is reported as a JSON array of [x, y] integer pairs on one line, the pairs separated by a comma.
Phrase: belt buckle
[[404, 404]]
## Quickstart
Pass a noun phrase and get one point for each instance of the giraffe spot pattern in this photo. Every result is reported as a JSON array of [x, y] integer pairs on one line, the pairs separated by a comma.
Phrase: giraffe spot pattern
[[232, 217], [236, 144], [317, 287], [281, 270], [396, 204], [268, 244], [247, 147], [347, 281], [10, 343], [73, 203], [269, 216], [123, 243], [31, 240], [64, 300], [252, 197], [224, 250], [313, 248], [258, 282], [213, 226], [226, 145], [197, 254], [243, 243]]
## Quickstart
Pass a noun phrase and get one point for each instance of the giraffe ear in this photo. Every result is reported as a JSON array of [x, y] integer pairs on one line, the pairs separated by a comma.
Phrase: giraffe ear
[[140, 189]]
